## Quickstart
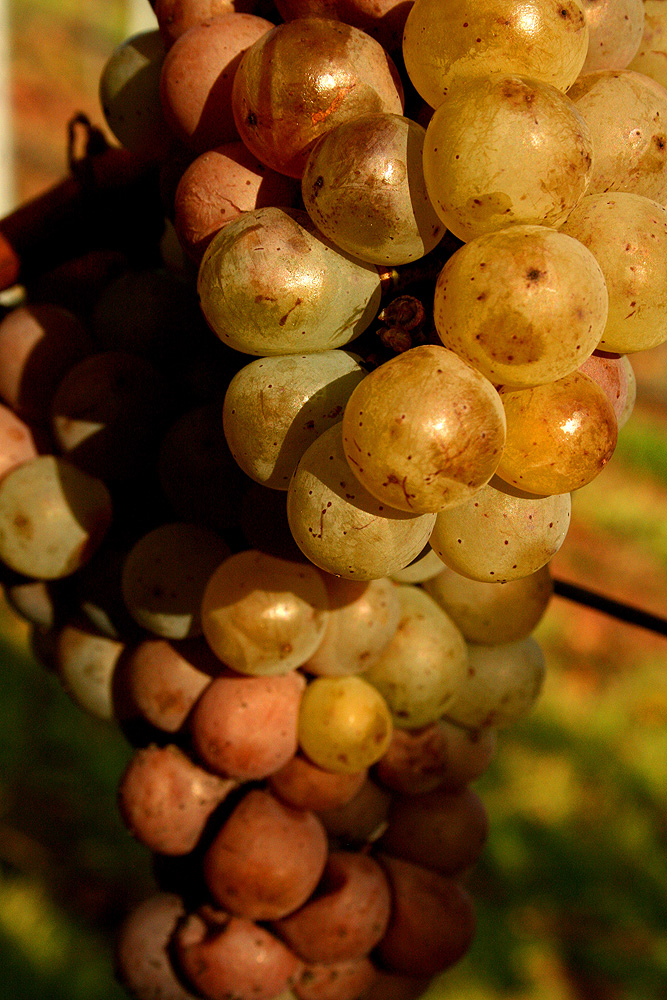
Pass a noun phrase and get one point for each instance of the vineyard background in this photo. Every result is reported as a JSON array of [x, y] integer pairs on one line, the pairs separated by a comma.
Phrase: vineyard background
[[572, 888]]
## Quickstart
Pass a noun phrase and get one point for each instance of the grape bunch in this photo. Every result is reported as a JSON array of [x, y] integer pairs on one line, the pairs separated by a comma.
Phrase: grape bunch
[[279, 490]]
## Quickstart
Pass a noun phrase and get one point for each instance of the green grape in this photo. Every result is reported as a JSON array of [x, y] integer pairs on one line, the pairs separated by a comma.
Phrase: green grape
[[541, 39], [344, 724], [615, 30], [130, 95], [339, 526], [276, 407], [303, 78], [627, 115], [363, 617], [53, 517], [560, 436], [270, 284], [627, 234], [424, 430], [164, 577], [523, 305], [263, 615], [489, 614], [363, 187], [502, 684], [425, 663], [496, 536], [505, 150]]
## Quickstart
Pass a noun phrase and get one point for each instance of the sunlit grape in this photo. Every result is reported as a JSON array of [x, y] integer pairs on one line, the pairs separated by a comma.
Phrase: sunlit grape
[[536, 162], [363, 186], [523, 305], [424, 430], [270, 284], [545, 40]]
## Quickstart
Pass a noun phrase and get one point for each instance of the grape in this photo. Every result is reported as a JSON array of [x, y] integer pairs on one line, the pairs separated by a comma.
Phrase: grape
[[276, 407], [164, 577], [363, 187], [175, 17], [419, 671], [560, 436], [302, 79], [344, 724], [263, 615], [492, 613], [615, 30], [616, 378], [302, 784], [363, 617], [502, 684], [246, 727], [361, 820], [269, 284], [143, 960], [17, 444], [130, 95], [497, 536], [346, 917], [632, 393], [52, 517], [537, 158], [627, 115], [383, 19], [165, 799], [424, 430], [86, 663], [627, 234], [650, 57], [197, 77], [217, 187], [335, 981], [524, 305], [339, 526], [267, 859], [545, 41]]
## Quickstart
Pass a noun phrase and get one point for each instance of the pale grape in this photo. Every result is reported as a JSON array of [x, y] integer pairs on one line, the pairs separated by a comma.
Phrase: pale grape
[[276, 407], [423, 666], [560, 436], [502, 684], [340, 526], [505, 150], [615, 29], [270, 284], [651, 57], [627, 115], [627, 234], [523, 305], [424, 430], [547, 41], [496, 537], [86, 664], [489, 614], [263, 615], [363, 187], [344, 724], [616, 378]]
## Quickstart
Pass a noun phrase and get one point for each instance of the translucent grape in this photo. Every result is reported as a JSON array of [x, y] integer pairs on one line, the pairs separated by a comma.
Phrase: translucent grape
[[627, 115], [560, 436], [627, 234], [276, 407], [303, 78], [340, 526], [536, 162], [523, 305], [344, 724], [263, 615], [363, 187], [502, 684], [270, 284], [496, 537], [492, 613], [424, 430], [544, 40], [615, 30], [421, 668]]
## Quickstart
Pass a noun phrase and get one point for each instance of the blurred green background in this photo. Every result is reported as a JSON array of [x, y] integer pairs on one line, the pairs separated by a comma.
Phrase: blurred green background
[[572, 888]]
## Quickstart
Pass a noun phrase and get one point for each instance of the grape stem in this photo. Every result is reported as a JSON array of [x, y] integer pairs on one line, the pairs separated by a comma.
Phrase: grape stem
[[615, 609]]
